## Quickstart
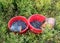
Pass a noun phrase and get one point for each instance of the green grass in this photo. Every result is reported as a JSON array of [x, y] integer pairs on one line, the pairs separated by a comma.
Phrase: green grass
[[11, 8]]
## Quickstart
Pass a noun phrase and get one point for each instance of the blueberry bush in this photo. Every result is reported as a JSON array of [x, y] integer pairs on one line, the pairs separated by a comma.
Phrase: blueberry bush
[[11, 8]]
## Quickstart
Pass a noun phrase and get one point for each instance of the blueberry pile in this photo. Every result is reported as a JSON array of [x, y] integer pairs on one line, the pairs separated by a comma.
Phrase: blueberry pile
[[36, 24], [18, 25]]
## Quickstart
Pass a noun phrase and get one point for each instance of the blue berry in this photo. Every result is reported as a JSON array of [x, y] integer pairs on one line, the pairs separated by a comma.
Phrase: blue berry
[[16, 26], [36, 24]]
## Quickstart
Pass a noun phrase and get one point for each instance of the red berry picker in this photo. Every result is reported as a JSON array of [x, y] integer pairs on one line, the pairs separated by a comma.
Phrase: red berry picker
[[35, 21], [18, 24]]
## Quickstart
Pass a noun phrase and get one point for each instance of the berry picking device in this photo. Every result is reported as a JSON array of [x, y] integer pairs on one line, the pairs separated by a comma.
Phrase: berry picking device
[[37, 17], [18, 18]]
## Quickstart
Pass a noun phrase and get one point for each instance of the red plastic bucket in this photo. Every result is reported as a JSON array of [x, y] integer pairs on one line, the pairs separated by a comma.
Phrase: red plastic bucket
[[18, 18], [37, 17]]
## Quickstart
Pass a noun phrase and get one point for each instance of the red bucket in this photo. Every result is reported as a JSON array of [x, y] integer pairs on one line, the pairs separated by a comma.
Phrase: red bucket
[[37, 17], [18, 18]]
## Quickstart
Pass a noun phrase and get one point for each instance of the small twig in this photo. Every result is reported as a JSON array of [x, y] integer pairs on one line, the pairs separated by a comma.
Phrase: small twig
[[20, 28]]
